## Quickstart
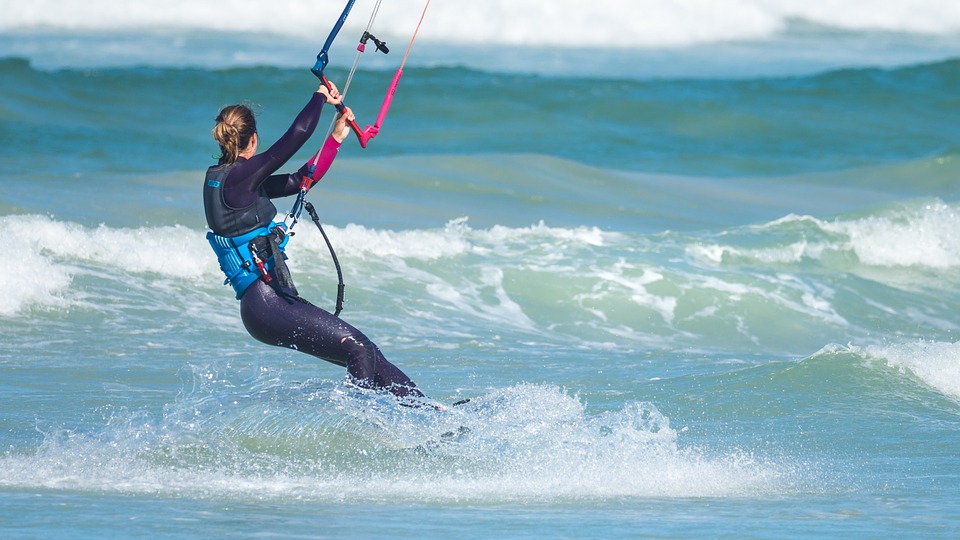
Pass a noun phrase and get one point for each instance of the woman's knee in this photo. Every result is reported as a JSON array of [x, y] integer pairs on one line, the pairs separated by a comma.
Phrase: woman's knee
[[361, 356]]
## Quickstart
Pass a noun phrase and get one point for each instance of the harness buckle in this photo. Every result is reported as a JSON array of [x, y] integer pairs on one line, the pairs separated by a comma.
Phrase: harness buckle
[[259, 262]]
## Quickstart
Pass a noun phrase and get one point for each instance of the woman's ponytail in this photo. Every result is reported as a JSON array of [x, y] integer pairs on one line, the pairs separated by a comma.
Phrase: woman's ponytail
[[235, 126]]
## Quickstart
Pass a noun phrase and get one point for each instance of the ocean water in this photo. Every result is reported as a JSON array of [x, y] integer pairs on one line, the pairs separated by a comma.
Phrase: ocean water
[[695, 263]]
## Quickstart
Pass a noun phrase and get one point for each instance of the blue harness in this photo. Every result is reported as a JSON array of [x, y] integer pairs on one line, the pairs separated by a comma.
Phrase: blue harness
[[241, 261]]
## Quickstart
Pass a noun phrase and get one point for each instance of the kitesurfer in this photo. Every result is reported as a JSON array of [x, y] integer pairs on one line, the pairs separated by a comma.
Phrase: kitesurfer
[[249, 244]]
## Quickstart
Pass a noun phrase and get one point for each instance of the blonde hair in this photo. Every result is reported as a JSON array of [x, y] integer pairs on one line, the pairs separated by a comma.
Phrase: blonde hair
[[235, 125]]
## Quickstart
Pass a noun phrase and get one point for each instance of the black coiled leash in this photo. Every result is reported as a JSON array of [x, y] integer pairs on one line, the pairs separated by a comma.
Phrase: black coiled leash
[[333, 254]]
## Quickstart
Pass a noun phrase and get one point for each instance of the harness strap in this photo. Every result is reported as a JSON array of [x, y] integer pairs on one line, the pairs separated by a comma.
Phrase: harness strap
[[239, 260]]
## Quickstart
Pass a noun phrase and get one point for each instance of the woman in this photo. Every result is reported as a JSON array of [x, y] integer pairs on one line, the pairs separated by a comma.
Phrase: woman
[[249, 244]]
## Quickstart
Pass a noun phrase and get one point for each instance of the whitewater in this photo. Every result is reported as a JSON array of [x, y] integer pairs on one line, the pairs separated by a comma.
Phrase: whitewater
[[618, 38], [564, 23]]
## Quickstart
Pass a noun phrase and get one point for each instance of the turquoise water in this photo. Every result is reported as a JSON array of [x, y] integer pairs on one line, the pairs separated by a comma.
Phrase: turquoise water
[[683, 302]]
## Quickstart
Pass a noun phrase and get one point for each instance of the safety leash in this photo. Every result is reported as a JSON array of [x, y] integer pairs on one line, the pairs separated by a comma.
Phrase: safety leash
[[333, 254]]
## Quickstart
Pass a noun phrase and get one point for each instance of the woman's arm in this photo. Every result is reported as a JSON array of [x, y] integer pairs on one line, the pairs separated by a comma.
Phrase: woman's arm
[[246, 179], [327, 154], [331, 146], [283, 185]]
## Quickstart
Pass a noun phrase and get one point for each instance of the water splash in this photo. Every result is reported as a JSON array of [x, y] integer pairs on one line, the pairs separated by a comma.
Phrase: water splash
[[323, 440]]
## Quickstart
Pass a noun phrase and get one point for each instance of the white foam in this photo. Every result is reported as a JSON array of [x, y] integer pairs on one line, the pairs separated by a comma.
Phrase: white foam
[[178, 260], [786, 254], [914, 234], [625, 23], [168, 250], [33, 279], [527, 443], [52, 253], [920, 236], [460, 269], [454, 239], [619, 280], [937, 364], [421, 244]]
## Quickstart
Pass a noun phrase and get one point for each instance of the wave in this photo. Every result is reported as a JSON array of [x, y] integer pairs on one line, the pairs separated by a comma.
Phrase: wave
[[895, 386], [917, 233], [935, 364], [623, 23], [787, 285], [622, 38], [843, 120]]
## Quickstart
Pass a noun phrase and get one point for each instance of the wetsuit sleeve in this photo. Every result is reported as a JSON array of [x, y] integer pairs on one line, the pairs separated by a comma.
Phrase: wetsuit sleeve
[[283, 185], [329, 151], [248, 176]]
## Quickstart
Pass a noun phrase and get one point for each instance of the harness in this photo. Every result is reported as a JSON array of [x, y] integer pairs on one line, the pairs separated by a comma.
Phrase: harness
[[258, 254]]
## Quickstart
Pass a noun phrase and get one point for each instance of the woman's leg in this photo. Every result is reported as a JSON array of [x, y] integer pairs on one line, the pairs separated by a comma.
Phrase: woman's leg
[[298, 324]]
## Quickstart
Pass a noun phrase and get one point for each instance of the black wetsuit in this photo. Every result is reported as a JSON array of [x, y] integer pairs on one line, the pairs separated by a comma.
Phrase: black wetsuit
[[281, 317]]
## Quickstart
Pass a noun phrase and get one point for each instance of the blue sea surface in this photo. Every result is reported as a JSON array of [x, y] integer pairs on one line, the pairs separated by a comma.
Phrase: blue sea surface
[[690, 291]]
